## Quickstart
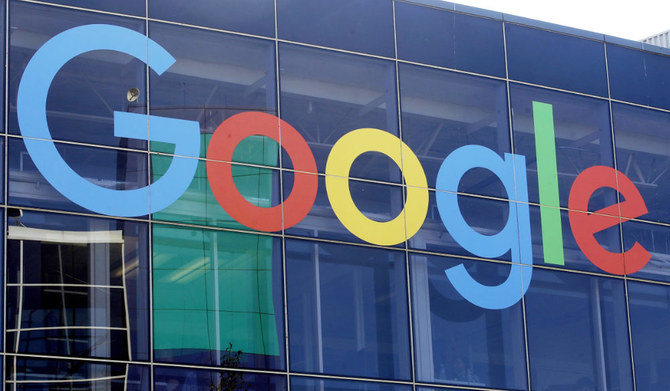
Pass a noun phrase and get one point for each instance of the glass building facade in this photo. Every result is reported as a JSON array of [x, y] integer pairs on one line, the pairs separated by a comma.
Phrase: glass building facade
[[380, 195]]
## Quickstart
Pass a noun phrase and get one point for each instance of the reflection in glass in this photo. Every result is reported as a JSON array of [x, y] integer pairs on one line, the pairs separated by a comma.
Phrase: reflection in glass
[[37, 374], [326, 95], [577, 332], [217, 293], [456, 342], [183, 379], [655, 239], [76, 287], [347, 309], [443, 111]]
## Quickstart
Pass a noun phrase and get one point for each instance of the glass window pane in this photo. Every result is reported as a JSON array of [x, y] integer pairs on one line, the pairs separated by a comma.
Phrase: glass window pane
[[248, 16], [378, 202], [448, 39], [311, 384], [215, 76], [642, 144], [77, 286], [326, 95], [582, 139], [360, 26], [108, 168], [548, 58], [217, 298], [347, 309], [656, 240], [183, 379], [132, 7], [38, 374], [456, 342], [443, 111], [577, 332], [638, 77], [649, 322], [89, 88]]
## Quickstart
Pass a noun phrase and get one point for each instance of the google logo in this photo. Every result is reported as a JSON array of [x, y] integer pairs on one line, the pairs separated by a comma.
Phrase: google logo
[[515, 236]]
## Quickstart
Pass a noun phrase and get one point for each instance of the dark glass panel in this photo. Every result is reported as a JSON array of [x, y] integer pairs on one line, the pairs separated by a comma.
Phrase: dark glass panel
[[556, 60], [248, 16], [577, 332], [582, 137], [217, 295], [449, 39], [361, 26], [456, 342], [347, 309], [642, 144], [443, 111], [326, 95], [638, 77], [312, 384], [38, 374], [77, 286], [89, 88], [649, 322], [108, 168], [187, 379], [132, 7]]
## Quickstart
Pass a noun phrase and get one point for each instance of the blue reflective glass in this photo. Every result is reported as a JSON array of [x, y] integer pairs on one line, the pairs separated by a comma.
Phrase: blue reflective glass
[[89, 88], [311, 384], [485, 216], [38, 374], [378, 202], [325, 95], [656, 240], [215, 76], [132, 7], [86, 289], [187, 379], [649, 321], [456, 342], [642, 144], [108, 168], [347, 309], [249, 16], [449, 39], [577, 332], [574, 258], [443, 111], [217, 298], [548, 58], [582, 139], [360, 26], [639, 77]]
